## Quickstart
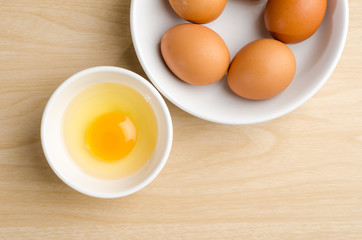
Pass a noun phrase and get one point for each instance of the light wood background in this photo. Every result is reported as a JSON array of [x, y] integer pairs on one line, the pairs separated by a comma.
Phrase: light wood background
[[296, 177]]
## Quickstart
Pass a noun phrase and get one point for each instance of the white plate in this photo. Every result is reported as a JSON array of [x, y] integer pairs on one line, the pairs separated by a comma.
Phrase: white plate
[[240, 23]]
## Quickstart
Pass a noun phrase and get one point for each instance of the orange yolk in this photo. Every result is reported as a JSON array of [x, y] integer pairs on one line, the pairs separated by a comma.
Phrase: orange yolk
[[111, 136]]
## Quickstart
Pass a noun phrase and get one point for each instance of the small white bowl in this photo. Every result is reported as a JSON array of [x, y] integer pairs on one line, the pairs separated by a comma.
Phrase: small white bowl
[[55, 150], [240, 23]]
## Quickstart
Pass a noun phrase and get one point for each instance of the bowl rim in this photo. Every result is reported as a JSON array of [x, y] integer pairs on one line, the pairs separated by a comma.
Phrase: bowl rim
[[277, 114], [165, 112]]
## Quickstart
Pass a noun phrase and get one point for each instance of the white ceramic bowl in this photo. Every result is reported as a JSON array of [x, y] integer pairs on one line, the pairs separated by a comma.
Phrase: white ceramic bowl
[[240, 23], [54, 146]]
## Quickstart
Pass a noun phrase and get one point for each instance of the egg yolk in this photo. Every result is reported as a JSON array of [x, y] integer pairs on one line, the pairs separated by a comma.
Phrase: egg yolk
[[111, 136]]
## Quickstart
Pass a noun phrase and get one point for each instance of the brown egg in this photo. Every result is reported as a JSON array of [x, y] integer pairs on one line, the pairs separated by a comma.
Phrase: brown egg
[[293, 21], [194, 53], [262, 69], [198, 11]]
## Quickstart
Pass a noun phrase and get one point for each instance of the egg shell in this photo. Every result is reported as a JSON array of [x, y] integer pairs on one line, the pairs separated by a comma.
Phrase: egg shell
[[195, 53], [293, 21], [262, 69], [198, 11]]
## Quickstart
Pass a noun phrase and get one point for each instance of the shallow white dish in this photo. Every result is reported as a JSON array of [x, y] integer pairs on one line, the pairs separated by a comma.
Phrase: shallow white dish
[[240, 23], [60, 160]]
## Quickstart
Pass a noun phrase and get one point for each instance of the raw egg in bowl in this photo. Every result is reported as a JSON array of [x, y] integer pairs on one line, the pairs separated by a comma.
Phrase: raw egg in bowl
[[106, 132]]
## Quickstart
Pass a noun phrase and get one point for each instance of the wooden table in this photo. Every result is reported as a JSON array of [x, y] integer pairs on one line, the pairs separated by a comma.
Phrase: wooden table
[[296, 177]]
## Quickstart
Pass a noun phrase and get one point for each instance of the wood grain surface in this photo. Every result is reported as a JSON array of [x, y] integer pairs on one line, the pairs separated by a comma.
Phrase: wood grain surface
[[296, 177]]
